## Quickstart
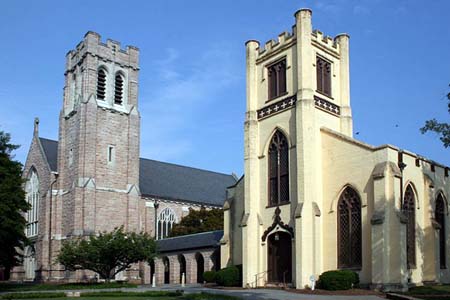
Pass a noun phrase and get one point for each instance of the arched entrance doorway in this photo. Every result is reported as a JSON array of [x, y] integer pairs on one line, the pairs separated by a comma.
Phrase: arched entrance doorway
[[182, 262], [279, 246], [200, 267], [166, 270]]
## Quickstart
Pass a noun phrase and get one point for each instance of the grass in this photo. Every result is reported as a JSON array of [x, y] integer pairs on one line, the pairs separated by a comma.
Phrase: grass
[[153, 295], [13, 287], [434, 292]]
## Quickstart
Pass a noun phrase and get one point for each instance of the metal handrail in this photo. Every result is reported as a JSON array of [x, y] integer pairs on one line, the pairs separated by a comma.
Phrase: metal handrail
[[259, 275]]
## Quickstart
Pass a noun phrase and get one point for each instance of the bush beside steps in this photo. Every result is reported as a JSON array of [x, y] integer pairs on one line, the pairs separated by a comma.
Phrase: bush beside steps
[[338, 280]]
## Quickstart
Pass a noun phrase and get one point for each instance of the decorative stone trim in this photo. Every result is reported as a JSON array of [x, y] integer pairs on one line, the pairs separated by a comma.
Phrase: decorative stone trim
[[316, 209], [298, 210], [327, 106], [277, 222], [277, 107], [377, 218]]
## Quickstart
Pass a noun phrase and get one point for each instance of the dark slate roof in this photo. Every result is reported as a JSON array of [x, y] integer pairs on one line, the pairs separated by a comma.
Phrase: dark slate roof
[[208, 239], [169, 181], [50, 148]]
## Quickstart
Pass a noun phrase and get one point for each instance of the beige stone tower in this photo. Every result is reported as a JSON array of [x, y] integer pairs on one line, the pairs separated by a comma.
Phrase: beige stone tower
[[295, 85], [98, 152]]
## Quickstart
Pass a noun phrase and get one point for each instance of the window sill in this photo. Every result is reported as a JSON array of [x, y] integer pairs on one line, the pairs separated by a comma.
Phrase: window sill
[[323, 94], [276, 97], [280, 204]]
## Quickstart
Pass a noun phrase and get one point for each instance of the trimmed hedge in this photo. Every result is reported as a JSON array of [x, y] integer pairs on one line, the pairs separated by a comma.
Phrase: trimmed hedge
[[228, 276], [338, 280], [209, 276]]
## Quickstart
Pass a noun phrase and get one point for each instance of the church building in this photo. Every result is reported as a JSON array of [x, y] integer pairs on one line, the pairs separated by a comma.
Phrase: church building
[[93, 180], [313, 198]]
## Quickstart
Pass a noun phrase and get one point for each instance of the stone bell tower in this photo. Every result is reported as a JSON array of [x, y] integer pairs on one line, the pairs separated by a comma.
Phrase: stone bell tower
[[98, 151], [296, 86]]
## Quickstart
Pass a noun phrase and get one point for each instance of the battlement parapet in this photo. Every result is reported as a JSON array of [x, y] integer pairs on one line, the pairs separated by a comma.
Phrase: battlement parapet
[[325, 40], [111, 51], [285, 39]]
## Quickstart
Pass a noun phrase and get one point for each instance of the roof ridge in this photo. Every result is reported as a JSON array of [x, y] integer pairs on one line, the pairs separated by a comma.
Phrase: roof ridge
[[185, 235], [43, 138], [188, 167]]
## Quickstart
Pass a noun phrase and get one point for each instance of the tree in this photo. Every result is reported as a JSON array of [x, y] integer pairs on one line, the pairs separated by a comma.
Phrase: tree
[[199, 221], [107, 253], [442, 129], [12, 206]]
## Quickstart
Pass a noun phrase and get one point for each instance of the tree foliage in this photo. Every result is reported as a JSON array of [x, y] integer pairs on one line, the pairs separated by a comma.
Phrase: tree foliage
[[12, 205], [199, 221], [442, 129], [107, 253]]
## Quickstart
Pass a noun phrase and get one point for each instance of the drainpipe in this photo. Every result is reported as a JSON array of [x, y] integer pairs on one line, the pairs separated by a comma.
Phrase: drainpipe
[[50, 227]]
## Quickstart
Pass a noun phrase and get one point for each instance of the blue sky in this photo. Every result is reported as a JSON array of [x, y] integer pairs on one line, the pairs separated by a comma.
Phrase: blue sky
[[192, 79]]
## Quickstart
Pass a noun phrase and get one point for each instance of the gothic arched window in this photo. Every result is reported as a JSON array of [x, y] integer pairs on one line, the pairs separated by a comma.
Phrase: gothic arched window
[[164, 223], [408, 208], [439, 216], [278, 169], [118, 92], [32, 197], [101, 84], [349, 230]]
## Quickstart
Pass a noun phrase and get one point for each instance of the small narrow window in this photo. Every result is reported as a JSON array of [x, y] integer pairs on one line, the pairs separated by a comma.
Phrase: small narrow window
[[118, 94], [323, 72], [101, 84], [277, 79], [110, 154], [70, 157]]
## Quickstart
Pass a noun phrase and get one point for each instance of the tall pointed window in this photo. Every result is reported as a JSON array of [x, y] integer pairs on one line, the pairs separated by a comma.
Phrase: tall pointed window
[[101, 84], [164, 223], [278, 169], [323, 74], [439, 216], [32, 196], [349, 230], [118, 92], [277, 79], [408, 208]]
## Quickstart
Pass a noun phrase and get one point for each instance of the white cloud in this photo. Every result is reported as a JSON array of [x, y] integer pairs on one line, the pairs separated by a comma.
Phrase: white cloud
[[172, 102]]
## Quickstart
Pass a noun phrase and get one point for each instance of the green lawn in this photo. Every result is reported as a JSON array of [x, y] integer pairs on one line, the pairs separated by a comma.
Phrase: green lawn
[[435, 292], [19, 287], [150, 295]]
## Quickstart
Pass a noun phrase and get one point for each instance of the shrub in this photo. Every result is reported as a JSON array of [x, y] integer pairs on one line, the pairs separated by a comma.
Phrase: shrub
[[228, 276], [338, 280], [209, 276]]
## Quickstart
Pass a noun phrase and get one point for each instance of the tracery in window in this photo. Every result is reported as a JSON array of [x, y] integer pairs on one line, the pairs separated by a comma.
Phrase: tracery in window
[[439, 216], [349, 230], [32, 197], [323, 74], [278, 169], [408, 208], [164, 223]]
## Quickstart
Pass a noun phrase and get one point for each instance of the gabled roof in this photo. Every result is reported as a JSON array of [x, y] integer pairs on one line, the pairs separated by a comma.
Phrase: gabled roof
[[50, 148], [175, 182], [168, 181], [210, 239]]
